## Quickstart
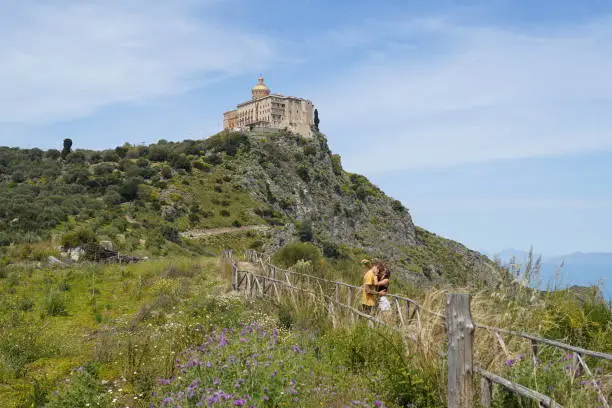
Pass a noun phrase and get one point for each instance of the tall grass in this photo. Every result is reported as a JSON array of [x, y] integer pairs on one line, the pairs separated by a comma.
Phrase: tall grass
[[128, 326]]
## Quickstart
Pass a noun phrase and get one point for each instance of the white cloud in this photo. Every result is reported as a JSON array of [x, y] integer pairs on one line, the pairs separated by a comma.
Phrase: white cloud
[[459, 95], [64, 59]]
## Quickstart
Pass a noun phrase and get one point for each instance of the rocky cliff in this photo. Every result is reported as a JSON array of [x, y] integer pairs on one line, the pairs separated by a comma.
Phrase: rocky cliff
[[305, 182]]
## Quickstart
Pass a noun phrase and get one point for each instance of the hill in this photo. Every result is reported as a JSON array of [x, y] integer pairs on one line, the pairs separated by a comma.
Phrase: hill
[[155, 199]]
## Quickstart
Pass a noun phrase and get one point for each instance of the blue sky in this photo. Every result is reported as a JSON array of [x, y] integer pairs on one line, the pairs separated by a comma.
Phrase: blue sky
[[490, 120]]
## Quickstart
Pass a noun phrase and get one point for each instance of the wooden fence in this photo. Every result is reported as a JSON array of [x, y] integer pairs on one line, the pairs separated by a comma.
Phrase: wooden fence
[[343, 299]]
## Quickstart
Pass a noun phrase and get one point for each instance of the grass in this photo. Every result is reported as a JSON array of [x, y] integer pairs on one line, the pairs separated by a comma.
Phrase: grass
[[119, 331], [558, 315], [145, 333], [54, 320]]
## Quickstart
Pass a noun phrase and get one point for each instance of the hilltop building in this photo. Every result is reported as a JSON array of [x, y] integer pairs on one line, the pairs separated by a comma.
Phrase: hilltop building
[[275, 111]]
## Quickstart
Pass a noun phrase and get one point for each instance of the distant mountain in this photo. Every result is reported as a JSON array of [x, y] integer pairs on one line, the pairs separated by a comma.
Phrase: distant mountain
[[560, 271]]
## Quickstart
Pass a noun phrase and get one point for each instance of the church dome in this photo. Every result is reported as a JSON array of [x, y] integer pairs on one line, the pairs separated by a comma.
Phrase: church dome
[[261, 89]]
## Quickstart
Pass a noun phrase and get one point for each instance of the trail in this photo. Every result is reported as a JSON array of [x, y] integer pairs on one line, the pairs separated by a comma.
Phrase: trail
[[201, 233]]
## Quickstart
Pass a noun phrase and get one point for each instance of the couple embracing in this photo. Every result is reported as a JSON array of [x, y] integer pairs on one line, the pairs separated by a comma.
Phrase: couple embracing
[[375, 287]]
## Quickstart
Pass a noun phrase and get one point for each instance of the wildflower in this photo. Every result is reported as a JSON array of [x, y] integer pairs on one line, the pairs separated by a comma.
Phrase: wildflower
[[239, 402], [510, 362], [378, 403]]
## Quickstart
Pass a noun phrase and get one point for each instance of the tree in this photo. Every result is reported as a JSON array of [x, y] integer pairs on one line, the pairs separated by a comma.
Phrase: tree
[[67, 148], [316, 119]]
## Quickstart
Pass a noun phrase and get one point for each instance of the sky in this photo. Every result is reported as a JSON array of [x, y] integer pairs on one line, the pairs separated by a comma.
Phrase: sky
[[490, 120]]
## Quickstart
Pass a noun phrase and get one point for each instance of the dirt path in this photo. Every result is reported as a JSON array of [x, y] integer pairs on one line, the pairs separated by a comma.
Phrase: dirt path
[[200, 233]]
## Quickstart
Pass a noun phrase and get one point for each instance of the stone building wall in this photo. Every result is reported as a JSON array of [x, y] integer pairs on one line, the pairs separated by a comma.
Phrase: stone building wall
[[272, 110]]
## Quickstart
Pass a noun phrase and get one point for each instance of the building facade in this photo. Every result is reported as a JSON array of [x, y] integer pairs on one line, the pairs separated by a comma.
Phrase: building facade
[[269, 110]]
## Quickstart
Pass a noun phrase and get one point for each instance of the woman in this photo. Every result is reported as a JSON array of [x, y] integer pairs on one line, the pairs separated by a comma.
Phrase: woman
[[384, 306]]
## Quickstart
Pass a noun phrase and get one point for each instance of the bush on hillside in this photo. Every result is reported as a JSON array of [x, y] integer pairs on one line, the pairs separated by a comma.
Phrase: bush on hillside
[[305, 231], [336, 162], [398, 206], [78, 238], [331, 249], [302, 172], [129, 190], [228, 142], [290, 254]]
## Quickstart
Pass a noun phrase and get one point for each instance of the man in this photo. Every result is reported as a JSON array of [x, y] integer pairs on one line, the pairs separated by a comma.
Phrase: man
[[370, 283]]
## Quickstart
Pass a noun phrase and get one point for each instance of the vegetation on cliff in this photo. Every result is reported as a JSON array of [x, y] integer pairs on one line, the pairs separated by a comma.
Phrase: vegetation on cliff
[[148, 199]]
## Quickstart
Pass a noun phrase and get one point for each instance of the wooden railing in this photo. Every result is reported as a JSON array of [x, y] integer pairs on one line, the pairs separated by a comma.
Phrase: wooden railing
[[457, 321]]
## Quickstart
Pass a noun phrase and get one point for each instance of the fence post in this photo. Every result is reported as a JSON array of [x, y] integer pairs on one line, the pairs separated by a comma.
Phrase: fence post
[[486, 392], [337, 293], [460, 344], [234, 277]]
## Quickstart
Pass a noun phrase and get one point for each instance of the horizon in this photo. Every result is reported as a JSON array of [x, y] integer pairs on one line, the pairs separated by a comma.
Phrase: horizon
[[489, 121]]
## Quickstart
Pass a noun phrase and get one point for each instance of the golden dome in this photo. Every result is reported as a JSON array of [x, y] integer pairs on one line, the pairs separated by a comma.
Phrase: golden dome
[[261, 89]]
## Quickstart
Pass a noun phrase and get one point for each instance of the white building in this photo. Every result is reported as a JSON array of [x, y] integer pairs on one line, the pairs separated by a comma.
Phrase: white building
[[272, 111]]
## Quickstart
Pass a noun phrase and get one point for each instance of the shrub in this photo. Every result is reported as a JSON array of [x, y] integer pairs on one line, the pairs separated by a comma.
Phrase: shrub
[[25, 304], [302, 172], [78, 238], [166, 172], [200, 165], [55, 304], [129, 190], [228, 142], [82, 390], [398, 206], [180, 161], [18, 177], [112, 197], [310, 150], [336, 162], [53, 154], [110, 156], [213, 159], [305, 231], [331, 249], [290, 254]]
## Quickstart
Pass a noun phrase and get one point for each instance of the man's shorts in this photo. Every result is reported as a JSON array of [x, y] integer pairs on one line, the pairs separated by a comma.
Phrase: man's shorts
[[367, 309]]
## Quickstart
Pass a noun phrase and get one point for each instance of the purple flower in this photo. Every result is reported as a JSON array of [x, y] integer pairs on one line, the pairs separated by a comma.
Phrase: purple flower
[[216, 381], [378, 403], [510, 362], [239, 402]]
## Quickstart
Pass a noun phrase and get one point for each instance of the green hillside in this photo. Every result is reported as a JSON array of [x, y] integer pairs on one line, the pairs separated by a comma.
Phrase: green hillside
[[168, 331], [163, 199]]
